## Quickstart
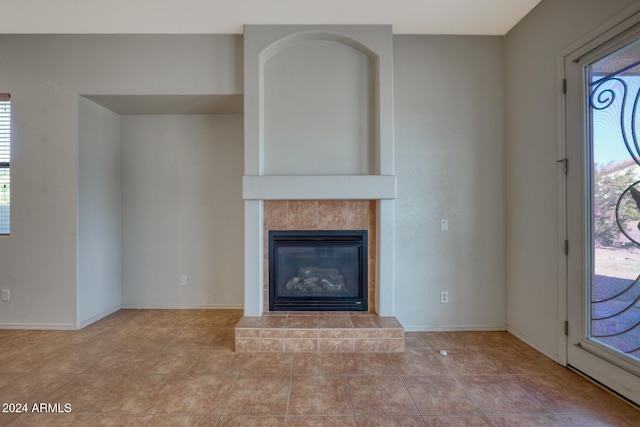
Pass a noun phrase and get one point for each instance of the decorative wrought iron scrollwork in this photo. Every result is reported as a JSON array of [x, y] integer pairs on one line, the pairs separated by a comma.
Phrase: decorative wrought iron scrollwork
[[603, 95], [614, 303]]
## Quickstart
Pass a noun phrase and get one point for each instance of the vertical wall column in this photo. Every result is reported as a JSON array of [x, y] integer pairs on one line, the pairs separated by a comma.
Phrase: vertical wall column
[[385, 253], [293, 150], [253, 258]]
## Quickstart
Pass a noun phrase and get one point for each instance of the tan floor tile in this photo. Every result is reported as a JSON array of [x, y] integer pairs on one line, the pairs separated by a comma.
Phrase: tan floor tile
[[122, 360], [183, 420], [224, 339], [389, 421], [511, 360], [364, 322], [34, 387], [422, 361], [380, 395], [301, 344], [199, 394], [444, 340], [81, 420], [320, 421], [318, 364], [500, 395], [320, 395], [88, 392], [247, 345], [70, 359], [301, 322], [440, 395], [213, 361], [259, 395], [335, 345], [154, 336], [571, 394], [116, 336], [467, 361], [211, 318], [138, 394], [140, 361], [137, 318], [488, 338], [413, 340], [275, 345], [458, 421], [119, 316], [601, 420], [8, 379], [122, 370], [6, 418], [23, 359], [527, 421], [251, 421], [194, 337], [368, 364], [268, 364], [171, 360], [274, 322], [334, 322], [83, 336], [174, 319]]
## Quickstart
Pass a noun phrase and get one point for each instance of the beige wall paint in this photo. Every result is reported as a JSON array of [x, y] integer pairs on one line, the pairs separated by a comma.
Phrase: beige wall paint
[[182, 211], [448, 94], [46, 76], [449, 160], [99, 213], [533, 177], [448, 157]]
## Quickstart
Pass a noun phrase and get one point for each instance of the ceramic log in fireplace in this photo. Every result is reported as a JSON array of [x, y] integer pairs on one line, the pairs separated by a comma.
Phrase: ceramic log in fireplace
[[318, 270]]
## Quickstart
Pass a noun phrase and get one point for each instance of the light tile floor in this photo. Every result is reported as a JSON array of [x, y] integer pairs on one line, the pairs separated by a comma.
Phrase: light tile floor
[[178, 367]]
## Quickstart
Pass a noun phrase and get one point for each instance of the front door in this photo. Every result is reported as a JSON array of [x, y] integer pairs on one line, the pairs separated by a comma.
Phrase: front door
[[603, 212]]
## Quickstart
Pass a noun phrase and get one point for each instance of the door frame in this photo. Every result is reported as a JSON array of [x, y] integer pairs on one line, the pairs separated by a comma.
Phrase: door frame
[[584, 47]]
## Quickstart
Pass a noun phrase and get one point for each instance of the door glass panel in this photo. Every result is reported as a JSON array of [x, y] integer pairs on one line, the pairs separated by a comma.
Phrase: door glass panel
[[614, 157]]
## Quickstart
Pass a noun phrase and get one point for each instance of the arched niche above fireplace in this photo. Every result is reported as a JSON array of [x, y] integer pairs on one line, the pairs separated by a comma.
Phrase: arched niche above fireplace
[[318, 103]]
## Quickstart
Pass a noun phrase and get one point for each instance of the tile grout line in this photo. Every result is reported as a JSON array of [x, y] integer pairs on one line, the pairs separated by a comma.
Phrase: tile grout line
[[346, 379], [457, 380]]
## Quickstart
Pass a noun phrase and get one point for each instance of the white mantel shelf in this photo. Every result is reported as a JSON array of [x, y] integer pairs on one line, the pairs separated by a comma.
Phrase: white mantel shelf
[[319, 187]]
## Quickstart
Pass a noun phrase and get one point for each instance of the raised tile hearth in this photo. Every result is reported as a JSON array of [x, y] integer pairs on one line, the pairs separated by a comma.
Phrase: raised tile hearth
[[334, 332]]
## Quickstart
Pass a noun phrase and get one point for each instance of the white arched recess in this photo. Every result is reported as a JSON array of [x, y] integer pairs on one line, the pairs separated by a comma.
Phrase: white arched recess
[[262, 42]]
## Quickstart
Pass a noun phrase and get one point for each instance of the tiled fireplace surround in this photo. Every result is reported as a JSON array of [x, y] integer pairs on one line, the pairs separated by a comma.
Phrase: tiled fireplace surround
[[321, 331]]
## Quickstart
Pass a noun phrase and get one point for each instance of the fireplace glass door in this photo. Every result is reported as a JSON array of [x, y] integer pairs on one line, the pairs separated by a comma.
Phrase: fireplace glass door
[[318, 270]]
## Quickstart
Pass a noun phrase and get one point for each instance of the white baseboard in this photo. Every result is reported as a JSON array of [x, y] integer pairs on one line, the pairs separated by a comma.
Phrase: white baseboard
[[455, 328], [183, 307], [536, 345], [40, 326]]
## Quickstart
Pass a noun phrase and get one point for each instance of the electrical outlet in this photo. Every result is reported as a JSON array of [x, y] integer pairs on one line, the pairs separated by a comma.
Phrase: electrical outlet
[[6, 295], [184, 280], [444, 225], [444, 297]]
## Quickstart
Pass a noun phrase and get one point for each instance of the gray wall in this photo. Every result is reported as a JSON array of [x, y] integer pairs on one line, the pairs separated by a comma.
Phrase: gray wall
[[533, 179], [99, 213], [45, 76], [333, 84], [449, 161], [448, 150], [182, 211]]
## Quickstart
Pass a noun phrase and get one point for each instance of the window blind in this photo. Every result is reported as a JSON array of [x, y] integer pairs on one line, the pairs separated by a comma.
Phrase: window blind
[[5, 163]]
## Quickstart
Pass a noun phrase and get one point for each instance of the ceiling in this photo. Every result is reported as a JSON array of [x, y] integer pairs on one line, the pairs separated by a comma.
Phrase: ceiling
[[479, 17]]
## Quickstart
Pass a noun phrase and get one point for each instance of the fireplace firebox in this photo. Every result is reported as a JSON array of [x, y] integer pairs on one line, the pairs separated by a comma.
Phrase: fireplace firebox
[[318, 270]]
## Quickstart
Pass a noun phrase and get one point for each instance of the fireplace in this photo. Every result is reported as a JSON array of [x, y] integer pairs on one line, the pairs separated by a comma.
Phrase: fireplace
[[318, 270]]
